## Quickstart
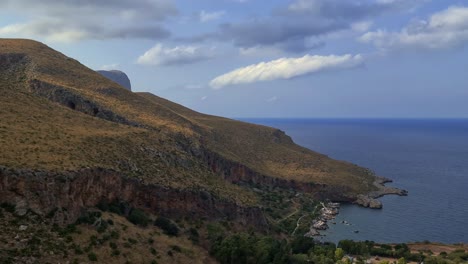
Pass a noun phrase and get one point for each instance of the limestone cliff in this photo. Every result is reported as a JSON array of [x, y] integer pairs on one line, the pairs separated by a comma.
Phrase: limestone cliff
[[117, 76]]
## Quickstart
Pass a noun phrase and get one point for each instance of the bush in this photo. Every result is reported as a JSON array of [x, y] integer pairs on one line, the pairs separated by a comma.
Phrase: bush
[[113, 245], [176, 248], [302, 245], [92, 256], [115, 234], [8, 207], [194, 236], [138, 217], [167, 226]]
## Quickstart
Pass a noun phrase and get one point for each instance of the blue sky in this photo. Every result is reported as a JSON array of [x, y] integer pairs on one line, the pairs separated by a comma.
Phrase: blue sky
[[252, 58]]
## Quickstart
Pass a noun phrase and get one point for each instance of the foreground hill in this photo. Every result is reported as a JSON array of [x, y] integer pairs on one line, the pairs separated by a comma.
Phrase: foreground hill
[[72, 138]]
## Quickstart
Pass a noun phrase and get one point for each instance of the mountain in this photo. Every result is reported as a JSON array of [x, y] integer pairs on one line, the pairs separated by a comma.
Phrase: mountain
[[117, 76], [60, 117], [72, 139]]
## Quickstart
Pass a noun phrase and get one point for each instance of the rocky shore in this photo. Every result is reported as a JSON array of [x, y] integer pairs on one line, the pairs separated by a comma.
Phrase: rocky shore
[[370, 200], [327, 213]]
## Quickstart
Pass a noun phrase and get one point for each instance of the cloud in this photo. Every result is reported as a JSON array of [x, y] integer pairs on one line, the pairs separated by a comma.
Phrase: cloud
[[361, 26], [203, 98], [193, 86], [69, 20], [349, 10], [209, 16], [292, 35], [286, 68], [272, 99], [259, 51], [160, 55], [442, 30], [109, 67], [301, 26]]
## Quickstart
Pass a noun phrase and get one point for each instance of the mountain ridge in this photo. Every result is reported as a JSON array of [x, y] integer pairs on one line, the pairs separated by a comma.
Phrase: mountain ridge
[[66, 117]]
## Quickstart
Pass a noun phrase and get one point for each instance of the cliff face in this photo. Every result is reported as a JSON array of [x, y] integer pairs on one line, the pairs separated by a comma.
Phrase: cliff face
[[118, 77], [68, 194], [240, 174]]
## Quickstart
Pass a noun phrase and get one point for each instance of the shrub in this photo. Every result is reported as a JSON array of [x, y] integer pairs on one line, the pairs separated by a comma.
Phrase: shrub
[[302, 245], [115, 234], [8, 207], [138, 217], [194, 236], [176, 248], [92, 256], [113, 245], [167, 226]]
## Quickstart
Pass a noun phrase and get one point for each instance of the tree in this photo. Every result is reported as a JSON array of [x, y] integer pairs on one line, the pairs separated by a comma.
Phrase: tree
[[339, 254], [401, 261]]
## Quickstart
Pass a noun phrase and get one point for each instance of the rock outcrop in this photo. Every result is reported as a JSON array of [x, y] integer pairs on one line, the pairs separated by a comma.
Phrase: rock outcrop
[[242, 175], [69, 194], [118, 77], [370, 200]]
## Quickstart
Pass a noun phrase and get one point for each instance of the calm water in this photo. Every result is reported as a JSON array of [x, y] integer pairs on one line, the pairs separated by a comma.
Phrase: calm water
[[429, 158]]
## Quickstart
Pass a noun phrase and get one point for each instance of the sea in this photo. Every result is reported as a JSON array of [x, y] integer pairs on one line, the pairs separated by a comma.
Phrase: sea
[[427, 157]]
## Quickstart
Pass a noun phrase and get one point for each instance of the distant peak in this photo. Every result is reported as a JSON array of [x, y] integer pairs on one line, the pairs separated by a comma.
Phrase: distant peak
[[117, 76]]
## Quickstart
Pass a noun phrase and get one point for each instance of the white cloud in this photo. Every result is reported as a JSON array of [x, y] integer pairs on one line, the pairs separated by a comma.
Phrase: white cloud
[[361, 26], [209, 16], [272, 99], [160, 55], [109, 67], [260, 51], [442, 30], [286, 68], [193, 86], [204, 98]]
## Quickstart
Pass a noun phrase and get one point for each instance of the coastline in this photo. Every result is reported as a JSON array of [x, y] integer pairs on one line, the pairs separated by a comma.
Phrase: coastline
[[330, 210], [370, 200], [327, 213]]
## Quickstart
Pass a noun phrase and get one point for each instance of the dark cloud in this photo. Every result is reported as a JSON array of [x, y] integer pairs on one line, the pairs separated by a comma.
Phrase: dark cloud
[[288, 35], [299, 26], [72, 20], [346, 10], [142, 9]]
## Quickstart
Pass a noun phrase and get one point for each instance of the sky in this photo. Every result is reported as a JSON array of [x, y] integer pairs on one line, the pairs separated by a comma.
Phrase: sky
[[259, 58]]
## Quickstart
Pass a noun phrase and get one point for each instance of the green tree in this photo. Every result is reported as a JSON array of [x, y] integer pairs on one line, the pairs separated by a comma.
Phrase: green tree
[[339, 254], [401, 261]]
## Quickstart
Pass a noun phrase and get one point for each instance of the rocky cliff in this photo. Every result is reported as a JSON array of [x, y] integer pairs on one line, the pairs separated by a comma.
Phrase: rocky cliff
[[117, 76], [68, 194]]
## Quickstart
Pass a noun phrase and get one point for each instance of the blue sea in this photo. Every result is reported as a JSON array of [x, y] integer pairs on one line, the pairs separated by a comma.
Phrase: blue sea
[[429, 158]]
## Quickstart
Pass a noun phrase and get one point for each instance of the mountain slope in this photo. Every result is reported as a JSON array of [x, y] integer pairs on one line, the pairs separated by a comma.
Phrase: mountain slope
[[65, 120]]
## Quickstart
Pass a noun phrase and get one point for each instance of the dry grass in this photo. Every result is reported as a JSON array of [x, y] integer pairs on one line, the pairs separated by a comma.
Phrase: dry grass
[[435, 248]]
